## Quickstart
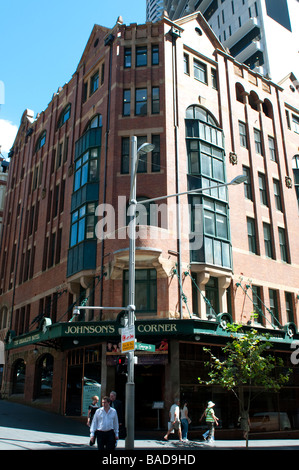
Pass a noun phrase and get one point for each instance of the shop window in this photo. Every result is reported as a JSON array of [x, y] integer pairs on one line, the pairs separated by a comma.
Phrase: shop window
[[19, 374], [44, 376]]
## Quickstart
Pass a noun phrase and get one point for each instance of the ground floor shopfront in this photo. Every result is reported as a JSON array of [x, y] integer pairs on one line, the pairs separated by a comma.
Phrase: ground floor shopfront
[[60, 368]]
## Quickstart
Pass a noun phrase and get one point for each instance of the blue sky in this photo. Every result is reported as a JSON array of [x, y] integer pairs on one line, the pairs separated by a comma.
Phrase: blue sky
[[41, 44]]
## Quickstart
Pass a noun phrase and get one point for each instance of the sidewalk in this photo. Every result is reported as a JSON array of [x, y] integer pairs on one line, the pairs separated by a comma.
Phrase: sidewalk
[[27, 428]]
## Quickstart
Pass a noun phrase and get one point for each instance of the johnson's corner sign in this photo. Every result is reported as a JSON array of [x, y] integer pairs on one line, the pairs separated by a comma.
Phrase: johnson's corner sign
[[106, 330]]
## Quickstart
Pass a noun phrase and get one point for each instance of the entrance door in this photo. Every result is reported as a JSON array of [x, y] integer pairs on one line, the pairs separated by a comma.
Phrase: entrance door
[[74, 391], [148, 389]]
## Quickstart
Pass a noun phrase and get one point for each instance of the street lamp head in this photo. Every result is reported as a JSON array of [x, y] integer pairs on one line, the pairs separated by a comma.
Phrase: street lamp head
[[145, 148], [76, 311], [239, 179]]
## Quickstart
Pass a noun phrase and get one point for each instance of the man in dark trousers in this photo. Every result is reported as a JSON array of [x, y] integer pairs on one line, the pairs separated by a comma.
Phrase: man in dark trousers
[[117, 405], [104, 426]]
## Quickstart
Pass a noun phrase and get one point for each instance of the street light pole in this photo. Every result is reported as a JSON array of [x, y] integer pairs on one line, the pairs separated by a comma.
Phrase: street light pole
[[130, 385]]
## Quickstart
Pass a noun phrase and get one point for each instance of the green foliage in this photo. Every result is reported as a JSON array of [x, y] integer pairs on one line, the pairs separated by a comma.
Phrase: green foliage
[[247, 363]]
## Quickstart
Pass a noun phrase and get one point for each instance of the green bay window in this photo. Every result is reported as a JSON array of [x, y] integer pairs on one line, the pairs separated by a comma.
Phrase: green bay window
[[86, 168], [210, 240], [83, 224], [83, 242]]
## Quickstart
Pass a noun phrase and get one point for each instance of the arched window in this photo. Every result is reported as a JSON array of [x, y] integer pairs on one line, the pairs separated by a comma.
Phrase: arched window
[[44, 376], [95, 122], [18, 379], [240, 92], [64, 116], [41, 141], [267, 108], [253, 100]]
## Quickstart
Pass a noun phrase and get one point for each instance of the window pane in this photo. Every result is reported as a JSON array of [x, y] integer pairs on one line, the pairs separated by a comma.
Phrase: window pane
[[209, 250], [77, 182], [218, 170], [93, 170], [81, 230], [74, 235], [141, 56], [221, 225], [217, 252], [226, 255], [84, 178], [206, 164], [90, 226], [209, 223], [141, 101]]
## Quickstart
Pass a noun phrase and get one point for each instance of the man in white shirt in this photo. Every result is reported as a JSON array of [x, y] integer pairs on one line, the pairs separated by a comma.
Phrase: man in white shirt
[[104, 426], [174, 415]]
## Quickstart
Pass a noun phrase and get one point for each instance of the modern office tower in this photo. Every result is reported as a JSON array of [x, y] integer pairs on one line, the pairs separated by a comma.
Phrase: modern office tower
[[263, 34], [154, 9], [227, 253]]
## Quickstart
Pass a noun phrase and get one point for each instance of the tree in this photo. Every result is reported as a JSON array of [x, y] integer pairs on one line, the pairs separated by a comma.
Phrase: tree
[[247, 363]]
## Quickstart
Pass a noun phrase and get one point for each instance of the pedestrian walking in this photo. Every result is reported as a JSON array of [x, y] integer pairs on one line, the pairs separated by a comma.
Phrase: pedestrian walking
[[211, 420], [92, 409], [244, 423], [174, 416], [118, 406], [104, 427], [185, 421]]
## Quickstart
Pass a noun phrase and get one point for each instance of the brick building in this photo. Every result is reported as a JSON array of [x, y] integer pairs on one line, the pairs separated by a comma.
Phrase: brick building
[[201, 260]]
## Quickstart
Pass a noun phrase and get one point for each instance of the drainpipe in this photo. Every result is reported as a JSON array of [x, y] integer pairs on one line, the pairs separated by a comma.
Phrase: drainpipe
[[108, 42]]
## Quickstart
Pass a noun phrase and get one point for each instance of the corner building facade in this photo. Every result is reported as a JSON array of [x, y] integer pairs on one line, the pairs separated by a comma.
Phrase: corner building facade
[[201, 260]]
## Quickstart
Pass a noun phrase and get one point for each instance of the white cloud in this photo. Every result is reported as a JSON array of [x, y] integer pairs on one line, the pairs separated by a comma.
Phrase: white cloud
[[8, 132]]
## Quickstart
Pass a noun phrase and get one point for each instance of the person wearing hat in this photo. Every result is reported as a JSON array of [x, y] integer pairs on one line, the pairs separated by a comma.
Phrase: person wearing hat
[[211, 420]]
